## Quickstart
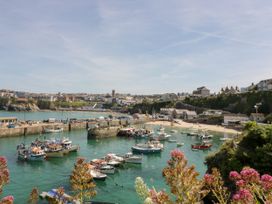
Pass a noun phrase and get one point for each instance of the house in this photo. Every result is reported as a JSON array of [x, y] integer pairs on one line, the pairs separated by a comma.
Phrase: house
[[212, 112], [232, 119], [265, 85], [167, 111], [184, 114], [7, 120], [201, 92], [258, 117]]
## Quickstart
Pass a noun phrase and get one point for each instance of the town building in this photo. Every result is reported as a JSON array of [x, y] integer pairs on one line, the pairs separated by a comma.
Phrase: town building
[[265, 85], [201, 92], [235, 119]]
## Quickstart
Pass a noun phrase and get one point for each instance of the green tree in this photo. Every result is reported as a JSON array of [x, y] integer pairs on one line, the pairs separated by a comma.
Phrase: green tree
[[81, 181]]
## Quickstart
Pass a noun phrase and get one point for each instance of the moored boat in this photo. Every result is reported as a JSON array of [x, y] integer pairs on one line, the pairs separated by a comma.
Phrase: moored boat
[[51, 130], [149, 147], [54, 150], [31, 153], [202, 146], [134, 159], [106, 169], [98, 175], [180, 144]]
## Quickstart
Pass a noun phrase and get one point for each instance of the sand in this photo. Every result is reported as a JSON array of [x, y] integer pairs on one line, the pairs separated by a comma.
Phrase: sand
[[196, 126]]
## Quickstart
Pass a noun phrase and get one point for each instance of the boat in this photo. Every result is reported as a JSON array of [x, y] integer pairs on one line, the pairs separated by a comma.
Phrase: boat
[[67, 145], [192, 134], [149, 147], [162, 136], [180, 144], [202, 146], [134, 159], [106, 169], [225, 138], [31, 153], [113, 159], [56, 130], [98, 175], [65, 198], [172, 140], [54, 150], [203, 137]]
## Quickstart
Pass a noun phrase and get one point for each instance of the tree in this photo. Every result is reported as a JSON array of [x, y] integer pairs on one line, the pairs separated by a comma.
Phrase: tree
[[34, 196], [82, 181]]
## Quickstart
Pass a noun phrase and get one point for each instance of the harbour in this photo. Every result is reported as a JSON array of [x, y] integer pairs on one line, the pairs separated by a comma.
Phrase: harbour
[[117, 188]]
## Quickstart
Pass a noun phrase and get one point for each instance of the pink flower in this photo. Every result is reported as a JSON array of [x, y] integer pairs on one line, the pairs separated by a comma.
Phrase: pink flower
[[176, 154], [7, 200], [234, 176], [266, 181], [250, 175], [240, 183], [208, 179], [243, 196]]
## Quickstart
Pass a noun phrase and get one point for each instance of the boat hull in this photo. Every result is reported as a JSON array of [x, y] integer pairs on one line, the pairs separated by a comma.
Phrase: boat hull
[[145, 150], [55, 154], [134, 161]]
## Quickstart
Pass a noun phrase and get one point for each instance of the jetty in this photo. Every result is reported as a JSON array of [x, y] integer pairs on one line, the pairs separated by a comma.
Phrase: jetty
[[103, 127]]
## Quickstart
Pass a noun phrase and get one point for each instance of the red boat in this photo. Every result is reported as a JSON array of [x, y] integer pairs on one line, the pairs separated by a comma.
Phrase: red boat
[[201, 146]]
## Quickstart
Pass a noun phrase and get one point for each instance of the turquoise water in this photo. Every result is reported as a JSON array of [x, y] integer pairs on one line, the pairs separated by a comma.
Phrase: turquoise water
[[118, 188], [52, 114]]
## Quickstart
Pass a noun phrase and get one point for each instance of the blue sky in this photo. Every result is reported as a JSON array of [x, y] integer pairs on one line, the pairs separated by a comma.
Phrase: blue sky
[[136, 46]]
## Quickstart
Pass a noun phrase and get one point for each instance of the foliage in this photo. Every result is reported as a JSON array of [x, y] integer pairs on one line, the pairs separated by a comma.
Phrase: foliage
[[82, 181], [34, 196], [253, 148], [251, 188], [236, 103], [183, 182], [4, 179], [3, 101], [149, 107], [45, 104]]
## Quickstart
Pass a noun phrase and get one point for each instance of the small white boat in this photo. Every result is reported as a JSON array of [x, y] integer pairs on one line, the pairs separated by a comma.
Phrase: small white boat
[[134, 159], [225, 138], [180, 144], [56, 130], [65, 198], [97, 175], [172, 140], [107, 169], [203, 137]]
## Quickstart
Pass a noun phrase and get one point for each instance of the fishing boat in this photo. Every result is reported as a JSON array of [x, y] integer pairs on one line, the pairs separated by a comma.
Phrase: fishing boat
[[67, 146], [160, 129], [202, 146], [98, 175], [149, 147], [113, 159], [51, 130], [31, 153], [134, 159], [162, 136], [203, 137], [54, 150]]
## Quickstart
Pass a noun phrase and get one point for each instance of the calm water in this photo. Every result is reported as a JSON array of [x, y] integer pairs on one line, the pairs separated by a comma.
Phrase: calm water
[[118, 188]]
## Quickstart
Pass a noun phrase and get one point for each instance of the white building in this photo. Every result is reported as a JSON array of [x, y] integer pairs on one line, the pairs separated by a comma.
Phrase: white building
[[201, 92]]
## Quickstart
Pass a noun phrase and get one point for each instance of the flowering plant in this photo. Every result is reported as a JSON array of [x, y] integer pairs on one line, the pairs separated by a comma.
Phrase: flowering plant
[[4, 179]]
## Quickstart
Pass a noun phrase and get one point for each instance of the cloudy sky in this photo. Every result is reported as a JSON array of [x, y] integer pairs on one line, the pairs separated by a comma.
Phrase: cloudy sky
[[136, 46]]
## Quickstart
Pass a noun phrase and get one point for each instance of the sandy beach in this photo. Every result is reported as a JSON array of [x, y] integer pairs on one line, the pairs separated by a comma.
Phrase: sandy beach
[[182, 124]]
